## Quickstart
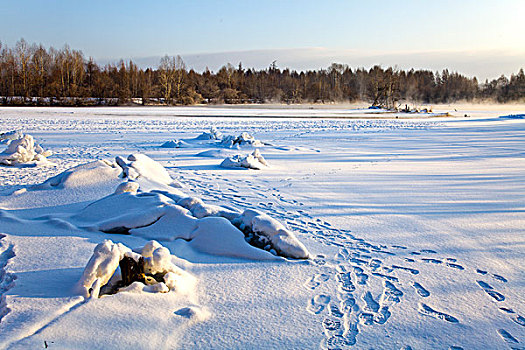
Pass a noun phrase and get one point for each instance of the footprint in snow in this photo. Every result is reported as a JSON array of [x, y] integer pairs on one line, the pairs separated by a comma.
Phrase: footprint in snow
[[454, 266], [386, 277], [347, 303], [345, 282], [318, 303], [411, 270], [420, 290], [519, 320], [337, 342], [316, 280], [319, 260], [335, 311], [371, 304], [426, 310], [332, 324], [507, 337], [499, 278], [430, 260], [490, 291]]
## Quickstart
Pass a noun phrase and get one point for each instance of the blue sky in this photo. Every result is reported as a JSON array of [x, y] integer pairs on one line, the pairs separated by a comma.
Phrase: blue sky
[[109, 30]]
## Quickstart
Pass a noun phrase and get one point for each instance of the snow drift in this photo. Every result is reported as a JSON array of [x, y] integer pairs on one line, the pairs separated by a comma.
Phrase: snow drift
[[144, 203]]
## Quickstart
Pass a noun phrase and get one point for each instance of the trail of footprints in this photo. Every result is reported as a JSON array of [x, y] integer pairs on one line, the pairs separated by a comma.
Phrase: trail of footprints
[[6, 279], [357, 261], [358, 308]]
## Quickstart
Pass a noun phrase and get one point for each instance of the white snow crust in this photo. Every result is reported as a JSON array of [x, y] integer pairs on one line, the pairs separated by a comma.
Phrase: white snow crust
[[406, 221]]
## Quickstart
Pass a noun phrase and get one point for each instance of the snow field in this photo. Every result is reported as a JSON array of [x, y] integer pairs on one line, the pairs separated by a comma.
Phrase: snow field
[[414, 229]]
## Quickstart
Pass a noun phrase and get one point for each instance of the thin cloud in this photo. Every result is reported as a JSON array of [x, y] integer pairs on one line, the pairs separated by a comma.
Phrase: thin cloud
[[487, 64]]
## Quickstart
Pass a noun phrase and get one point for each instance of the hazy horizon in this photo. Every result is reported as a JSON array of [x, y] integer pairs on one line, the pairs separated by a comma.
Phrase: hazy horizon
[[476, 38], [489, 64]]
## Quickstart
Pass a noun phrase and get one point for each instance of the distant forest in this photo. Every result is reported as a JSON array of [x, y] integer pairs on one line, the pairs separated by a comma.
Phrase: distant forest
[[34, 75]]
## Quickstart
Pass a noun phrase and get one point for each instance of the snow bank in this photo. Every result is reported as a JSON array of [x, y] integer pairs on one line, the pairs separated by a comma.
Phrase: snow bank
[[252, 161], [146, 205], [22, 151], [138, 170], [154, 261], [206, 228]]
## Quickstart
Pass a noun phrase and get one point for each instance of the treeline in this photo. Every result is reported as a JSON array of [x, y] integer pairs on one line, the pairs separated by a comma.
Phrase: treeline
[[32, 74]]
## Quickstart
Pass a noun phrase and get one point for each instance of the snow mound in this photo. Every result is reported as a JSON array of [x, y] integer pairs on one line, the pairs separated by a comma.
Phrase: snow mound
[[10, 135], [252, 161], [513, 116], [206, 228], [244, 139], [130, 186], [213, 153], [140, 165], [89, 174], [214, 134], [114, 267], [201, 210], [173, 144], [22, 151], [139, 170], [143, 205]]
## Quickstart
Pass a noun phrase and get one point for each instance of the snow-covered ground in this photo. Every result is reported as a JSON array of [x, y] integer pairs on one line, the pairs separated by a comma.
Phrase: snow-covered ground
[[415, 229]]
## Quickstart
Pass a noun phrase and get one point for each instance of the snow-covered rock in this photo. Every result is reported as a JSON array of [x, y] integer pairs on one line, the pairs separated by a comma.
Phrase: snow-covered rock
[[101, 267], [283, 241], [130, 186], [173, 144], [10, 135], [147, 172], [244, 139], [102, 271], [252, 161], [23, 150], [214, 134]]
